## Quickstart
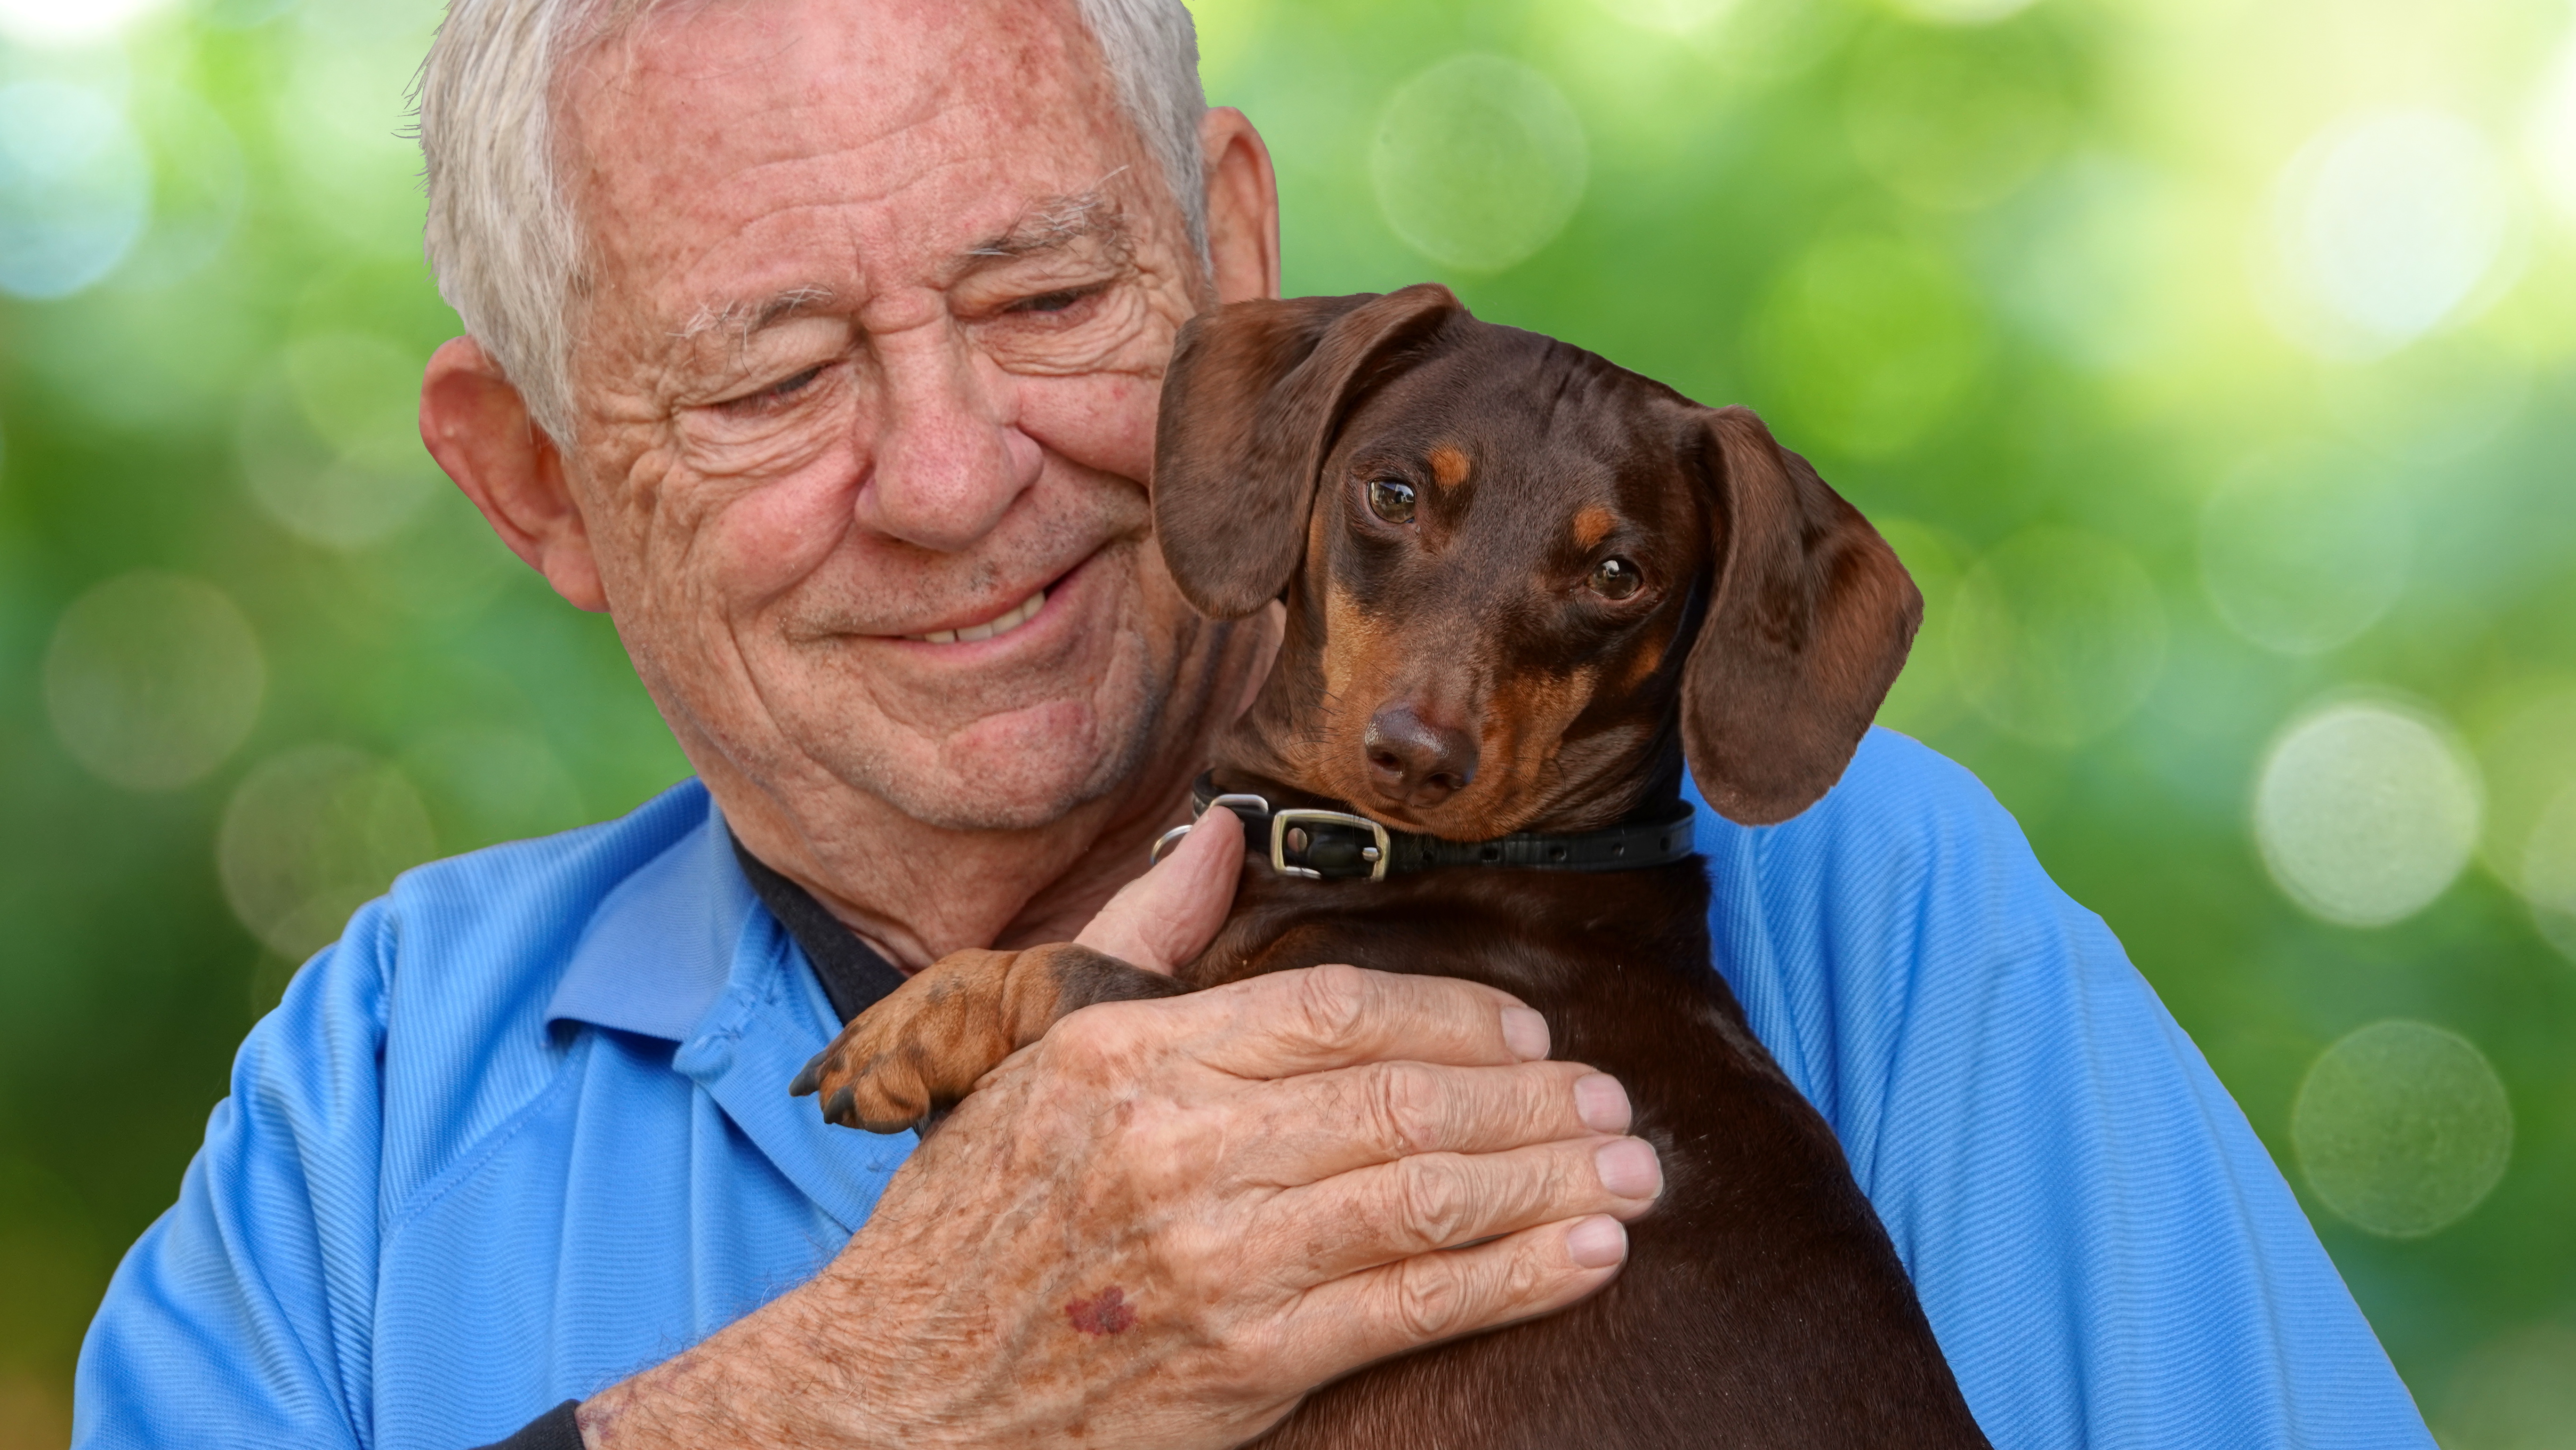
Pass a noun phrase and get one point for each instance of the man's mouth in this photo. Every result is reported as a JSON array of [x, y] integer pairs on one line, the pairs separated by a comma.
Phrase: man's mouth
[[1003, 623]]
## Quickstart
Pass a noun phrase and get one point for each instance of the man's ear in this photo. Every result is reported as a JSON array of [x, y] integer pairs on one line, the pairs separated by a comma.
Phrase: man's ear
[[477, 427], [1809, 619], [1242, 207], [1251, 402]]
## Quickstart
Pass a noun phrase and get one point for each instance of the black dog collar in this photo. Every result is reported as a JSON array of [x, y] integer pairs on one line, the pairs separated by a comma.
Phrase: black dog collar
[[1332, 845]]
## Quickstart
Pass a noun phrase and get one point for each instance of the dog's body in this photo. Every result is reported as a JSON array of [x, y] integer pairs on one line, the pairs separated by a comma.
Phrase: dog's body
[[1761, 1303], [1506, 621]]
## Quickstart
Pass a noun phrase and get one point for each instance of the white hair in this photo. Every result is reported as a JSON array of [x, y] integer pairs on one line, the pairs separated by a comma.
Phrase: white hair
[[503, 239]]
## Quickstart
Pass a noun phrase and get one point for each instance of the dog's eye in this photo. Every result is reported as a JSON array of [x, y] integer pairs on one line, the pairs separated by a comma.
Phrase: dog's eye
[[1390, 500], [1615, 579]]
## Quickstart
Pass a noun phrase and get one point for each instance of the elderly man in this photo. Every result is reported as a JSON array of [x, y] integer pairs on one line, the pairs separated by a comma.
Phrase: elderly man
[[817, 342]]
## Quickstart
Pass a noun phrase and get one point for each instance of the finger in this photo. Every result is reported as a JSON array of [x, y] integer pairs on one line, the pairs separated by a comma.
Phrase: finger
[[1166, 917], [1394, 1211], [1326, 1123], [1398, 1307], [1313, 1019]]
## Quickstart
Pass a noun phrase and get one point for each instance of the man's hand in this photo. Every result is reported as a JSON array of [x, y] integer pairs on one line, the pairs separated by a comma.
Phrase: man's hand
[[1167, 916], [1167, 1221]]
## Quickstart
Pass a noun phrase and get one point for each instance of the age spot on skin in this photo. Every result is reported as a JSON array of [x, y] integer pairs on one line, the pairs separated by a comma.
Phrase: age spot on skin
[[1107, 1312]]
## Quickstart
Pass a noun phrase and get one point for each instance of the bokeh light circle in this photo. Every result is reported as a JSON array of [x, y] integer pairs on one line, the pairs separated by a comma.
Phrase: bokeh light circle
[[75, 188], [1868, 342], [2525, 739], [2401, 1128], [332, 449], [312, 834], [1954, 121], [2303, 549], [2385, 226], [1479, 162], [2057, 635], [2548, 875], [2365, 811], [2515, 1393], [69, 22], [486, 784], [152, 679]]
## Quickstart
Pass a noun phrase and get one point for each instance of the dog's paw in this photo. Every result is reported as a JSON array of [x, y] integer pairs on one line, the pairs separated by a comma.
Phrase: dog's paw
[[869, 1077], [916, 1052]]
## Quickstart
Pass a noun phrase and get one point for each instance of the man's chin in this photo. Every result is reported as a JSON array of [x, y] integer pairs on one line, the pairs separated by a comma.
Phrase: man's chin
[[1019, 772]]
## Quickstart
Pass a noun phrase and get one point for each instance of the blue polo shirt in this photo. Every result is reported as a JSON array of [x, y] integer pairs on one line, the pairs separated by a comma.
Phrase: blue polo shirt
[[525, 1130]]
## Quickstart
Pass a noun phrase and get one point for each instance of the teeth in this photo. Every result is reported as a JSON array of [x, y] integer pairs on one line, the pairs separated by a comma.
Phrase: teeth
[[1025, 611]]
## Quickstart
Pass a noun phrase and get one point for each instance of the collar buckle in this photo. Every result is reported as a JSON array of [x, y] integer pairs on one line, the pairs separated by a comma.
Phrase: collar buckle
[[1241, 803], [1343, 857]]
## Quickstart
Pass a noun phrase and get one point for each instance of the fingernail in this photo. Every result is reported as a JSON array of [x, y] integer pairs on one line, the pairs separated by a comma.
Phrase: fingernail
[[1596, 1243], [1629, 1168], [1525, 1033], [1601, 1103]]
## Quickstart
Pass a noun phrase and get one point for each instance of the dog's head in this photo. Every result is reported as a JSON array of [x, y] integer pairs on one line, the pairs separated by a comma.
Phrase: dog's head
[[1509, 566]]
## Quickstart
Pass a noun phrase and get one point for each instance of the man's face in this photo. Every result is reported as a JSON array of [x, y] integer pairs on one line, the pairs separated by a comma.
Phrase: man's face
[[881, 296]]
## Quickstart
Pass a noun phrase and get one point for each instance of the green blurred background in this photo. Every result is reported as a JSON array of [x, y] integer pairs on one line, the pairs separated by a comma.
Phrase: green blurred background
[[2210, 362]]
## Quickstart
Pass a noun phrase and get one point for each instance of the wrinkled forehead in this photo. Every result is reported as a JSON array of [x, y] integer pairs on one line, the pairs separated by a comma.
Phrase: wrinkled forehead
[[746, 140]]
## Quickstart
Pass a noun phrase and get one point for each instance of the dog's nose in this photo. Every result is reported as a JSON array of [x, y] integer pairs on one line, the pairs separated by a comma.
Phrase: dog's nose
[[1416, 762]]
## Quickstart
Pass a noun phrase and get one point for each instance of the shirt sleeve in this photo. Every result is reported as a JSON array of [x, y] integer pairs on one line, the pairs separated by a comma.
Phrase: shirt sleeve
[[2104, 1248], [242, 1316]]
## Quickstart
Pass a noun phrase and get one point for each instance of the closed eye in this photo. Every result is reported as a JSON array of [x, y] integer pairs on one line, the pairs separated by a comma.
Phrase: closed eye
[[1059, 301], [777, 392]]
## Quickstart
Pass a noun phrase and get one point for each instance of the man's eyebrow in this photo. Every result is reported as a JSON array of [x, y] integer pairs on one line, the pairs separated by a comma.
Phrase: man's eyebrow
[[1059, 221], [1047, 225], [742, 319]]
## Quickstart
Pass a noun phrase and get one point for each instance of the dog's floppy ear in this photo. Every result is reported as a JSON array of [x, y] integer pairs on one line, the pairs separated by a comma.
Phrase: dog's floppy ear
[[1254, 395], [1809, 618]]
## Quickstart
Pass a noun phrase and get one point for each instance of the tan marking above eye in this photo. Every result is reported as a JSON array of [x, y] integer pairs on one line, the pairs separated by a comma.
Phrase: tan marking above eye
[[1448, 466], [1593, 525]]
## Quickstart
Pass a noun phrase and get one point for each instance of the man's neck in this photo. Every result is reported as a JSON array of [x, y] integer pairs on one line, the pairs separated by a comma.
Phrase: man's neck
[[915, 892]]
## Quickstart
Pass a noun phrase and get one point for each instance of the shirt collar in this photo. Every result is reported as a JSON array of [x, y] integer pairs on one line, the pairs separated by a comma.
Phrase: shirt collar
[[656, 954]]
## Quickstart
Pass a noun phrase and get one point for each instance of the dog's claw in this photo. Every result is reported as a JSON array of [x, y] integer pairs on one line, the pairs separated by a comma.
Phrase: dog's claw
[[839, 1107], [810, 1076]]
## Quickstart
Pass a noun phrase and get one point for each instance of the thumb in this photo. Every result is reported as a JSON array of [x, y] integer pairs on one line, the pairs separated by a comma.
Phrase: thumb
[[1168, 915]]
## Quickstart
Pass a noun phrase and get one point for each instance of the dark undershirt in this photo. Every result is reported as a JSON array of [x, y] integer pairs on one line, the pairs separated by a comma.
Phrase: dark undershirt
[[852, 973], [853, 976]]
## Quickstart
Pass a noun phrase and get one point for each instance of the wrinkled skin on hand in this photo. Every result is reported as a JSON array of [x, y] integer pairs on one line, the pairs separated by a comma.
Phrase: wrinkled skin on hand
[[1165, 1221]]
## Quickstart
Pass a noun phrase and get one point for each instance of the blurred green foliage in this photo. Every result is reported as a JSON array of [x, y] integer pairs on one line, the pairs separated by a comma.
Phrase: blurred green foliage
[[2210, 362]]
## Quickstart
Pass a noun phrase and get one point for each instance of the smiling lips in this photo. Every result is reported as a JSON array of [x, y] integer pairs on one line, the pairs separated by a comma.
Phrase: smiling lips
[[1019, 614]]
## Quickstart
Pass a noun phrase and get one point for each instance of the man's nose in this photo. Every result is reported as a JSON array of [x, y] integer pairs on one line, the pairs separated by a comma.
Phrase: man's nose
[[1415, 762], [949, 458]]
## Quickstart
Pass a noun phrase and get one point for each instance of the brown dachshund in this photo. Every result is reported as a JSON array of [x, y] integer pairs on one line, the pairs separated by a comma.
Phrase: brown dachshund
[[1522, 586]]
